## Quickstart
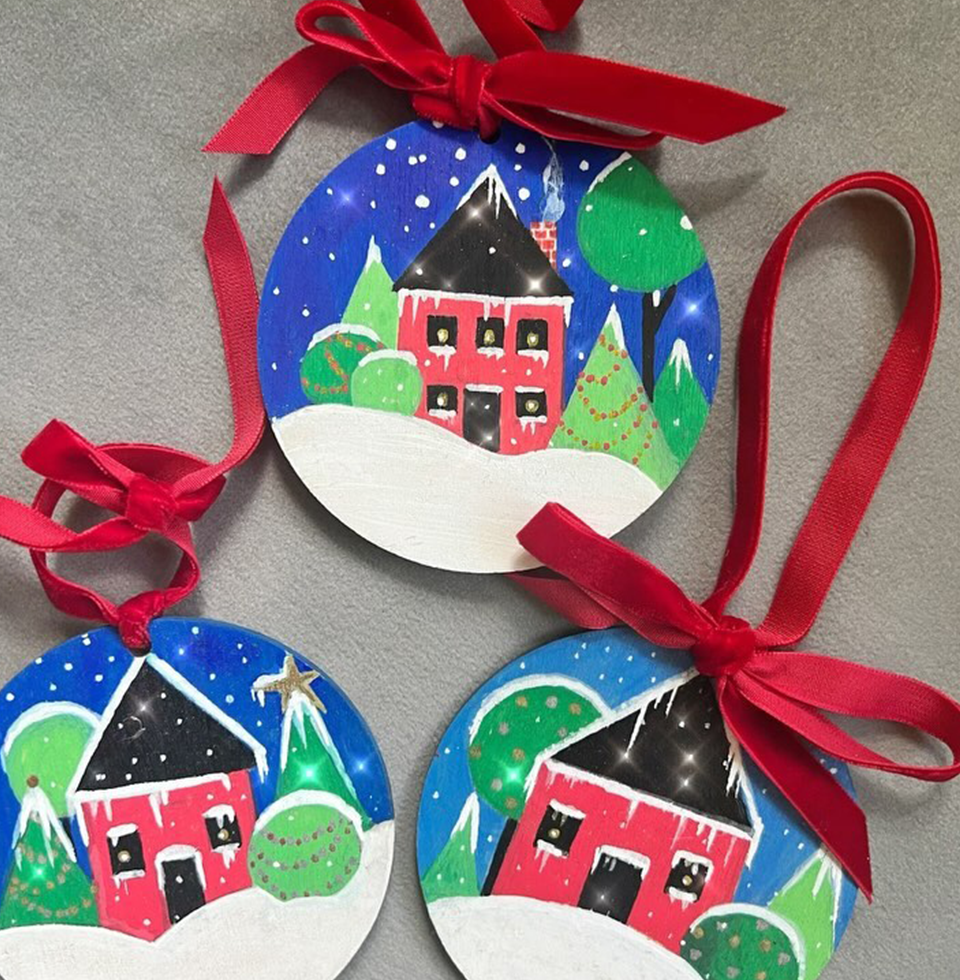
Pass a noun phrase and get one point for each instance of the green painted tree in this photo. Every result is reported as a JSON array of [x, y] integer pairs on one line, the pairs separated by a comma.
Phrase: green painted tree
[[45, 883], [388, 380], [634, 234], [681, 405], [609, 412], [306, 849], [507, 739], [809, 903], [454, 873], [740, 944], [332, 357], [44, 746], [373, 303]]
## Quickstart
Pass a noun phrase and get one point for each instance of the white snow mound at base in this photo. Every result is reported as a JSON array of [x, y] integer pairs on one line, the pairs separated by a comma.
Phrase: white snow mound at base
[[428, 495], [246, 936], [505, 937]]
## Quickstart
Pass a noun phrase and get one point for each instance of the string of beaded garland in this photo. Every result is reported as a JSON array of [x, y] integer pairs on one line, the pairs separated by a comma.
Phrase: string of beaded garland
[[186, 795], [494, 307], [665, 798]]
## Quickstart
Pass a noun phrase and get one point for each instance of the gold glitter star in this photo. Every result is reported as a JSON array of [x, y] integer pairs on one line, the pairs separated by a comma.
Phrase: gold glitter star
[[288, 683]]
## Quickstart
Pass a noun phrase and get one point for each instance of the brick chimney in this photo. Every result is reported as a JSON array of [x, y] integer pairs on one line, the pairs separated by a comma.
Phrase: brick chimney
[[545, 234]]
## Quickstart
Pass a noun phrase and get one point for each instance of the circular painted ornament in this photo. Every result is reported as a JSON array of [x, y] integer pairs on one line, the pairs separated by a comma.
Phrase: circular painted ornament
[[453, 333], [587, 814], [206, 810]]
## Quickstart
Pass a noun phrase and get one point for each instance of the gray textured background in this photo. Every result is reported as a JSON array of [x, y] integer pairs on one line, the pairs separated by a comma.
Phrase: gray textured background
[[108, 322]]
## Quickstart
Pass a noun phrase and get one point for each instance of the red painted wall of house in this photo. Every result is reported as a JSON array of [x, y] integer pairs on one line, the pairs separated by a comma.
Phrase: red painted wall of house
[[609, 821], [137, 905], [468, 366]]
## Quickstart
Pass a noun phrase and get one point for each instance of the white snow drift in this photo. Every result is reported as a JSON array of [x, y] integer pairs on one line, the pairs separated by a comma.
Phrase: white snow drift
[[427, 494], [504, 937], [245, 936]]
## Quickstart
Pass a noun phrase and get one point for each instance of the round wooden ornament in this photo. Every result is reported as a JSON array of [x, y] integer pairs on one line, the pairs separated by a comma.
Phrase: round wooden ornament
[[454, 332], [192, 812], [588, 814]]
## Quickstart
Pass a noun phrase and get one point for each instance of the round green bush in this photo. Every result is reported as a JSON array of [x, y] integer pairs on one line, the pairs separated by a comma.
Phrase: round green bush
[[388, 380], [740, 945], [328, 365], [304, 851]]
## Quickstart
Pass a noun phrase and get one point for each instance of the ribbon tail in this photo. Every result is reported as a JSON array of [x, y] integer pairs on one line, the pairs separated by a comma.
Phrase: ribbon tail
[[832, 814], [270, 111], [626, 585]]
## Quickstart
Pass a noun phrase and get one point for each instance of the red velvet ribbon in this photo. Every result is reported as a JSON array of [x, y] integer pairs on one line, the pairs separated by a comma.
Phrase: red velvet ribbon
[[562, 96], [775, 701], [151, 489]]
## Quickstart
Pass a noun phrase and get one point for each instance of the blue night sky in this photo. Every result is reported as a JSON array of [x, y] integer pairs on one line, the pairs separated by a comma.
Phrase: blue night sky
[[620, 666], [419, 162], [220, 660]]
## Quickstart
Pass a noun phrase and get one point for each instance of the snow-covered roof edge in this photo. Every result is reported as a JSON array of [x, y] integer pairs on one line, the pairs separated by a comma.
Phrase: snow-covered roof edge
[[496, 193]]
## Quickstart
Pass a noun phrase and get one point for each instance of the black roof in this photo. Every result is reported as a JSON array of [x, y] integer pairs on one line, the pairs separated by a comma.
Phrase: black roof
[[483, 249], [157, 733], [678, 752]]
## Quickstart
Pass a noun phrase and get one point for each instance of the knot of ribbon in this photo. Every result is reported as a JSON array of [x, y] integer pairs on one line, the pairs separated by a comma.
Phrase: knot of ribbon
[[775, 701], [556, 94], [148, 489]]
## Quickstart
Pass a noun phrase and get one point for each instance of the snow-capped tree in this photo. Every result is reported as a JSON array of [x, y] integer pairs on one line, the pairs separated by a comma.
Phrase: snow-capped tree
[[454, 873], [508, 735], [333, 355], [44, 883], [373, 303], [609, 411], [309, 759], [680, 403], [635, 235], [43, 747], [737, 943], [809, 901], [388, 380]]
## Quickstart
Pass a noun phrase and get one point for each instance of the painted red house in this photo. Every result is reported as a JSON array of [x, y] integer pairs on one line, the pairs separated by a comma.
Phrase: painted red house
[[484, 311], [643, 818], [164, 800]]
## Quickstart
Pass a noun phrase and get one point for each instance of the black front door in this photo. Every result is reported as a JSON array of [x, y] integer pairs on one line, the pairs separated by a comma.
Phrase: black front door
[[182, 887], [481, 418], [612, 887]]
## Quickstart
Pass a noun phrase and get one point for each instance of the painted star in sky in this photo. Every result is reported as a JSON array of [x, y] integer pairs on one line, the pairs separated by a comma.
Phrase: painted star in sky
[[289, 682]]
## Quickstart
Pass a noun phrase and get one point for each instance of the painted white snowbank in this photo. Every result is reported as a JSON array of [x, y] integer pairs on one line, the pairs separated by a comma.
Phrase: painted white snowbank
[[428, 495], [504, 937], [245, 936]]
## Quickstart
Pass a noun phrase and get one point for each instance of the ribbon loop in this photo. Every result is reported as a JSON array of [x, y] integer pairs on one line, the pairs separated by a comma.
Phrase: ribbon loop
[[560, 96], [726, 649], [151, 489], [774, 702]]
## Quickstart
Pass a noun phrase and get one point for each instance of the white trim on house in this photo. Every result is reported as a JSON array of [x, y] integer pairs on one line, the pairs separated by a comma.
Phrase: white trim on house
[[634, 858], [566, 810], [484, 389], [498, 189]]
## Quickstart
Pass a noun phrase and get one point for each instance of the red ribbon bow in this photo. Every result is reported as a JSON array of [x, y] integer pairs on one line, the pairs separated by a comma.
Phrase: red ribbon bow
[[528, 85], [151, 489], [773, 700]]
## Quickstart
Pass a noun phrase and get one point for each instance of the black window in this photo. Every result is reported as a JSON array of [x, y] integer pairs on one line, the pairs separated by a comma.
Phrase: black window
[[689, 875], [126, 852], [441, 331], [441, 398], [558, 829], [531, 334], [490, 331], [531, 404], [223, 830]]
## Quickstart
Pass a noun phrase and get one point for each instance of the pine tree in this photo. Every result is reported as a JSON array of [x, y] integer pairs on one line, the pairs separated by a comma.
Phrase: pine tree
[[44, 883], [609, 411], [310, 760], [809, 902], [454, 873], [680, 403], [373, 303]]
